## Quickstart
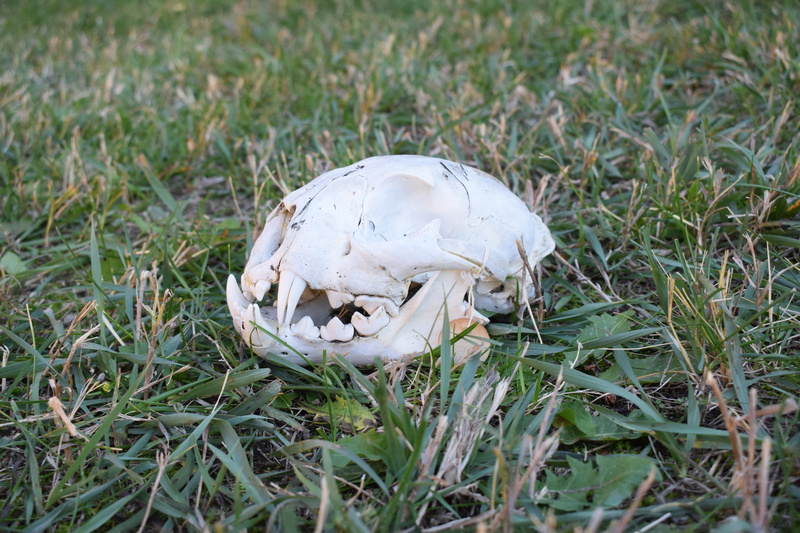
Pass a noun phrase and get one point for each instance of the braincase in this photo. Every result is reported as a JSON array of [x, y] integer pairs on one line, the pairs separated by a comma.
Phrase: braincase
[[467, 201], [396, 206], [471, 205]]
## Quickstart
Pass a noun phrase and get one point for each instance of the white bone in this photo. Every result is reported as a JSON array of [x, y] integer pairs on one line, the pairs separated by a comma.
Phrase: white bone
[[265, 246], [401, 237], [335, 330]]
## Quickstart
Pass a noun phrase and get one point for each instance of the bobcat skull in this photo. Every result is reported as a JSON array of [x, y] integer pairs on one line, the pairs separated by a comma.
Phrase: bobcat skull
[[367, 257]]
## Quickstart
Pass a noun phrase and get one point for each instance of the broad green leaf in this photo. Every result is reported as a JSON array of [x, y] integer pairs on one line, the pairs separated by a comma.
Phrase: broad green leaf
[[370, 445], [12, 264], [605, 482], [618, 477], [302, 446], [571, 490], [573, 413], [348, 415], [579, 425], [600, 328], [605, 325], [649, 369]]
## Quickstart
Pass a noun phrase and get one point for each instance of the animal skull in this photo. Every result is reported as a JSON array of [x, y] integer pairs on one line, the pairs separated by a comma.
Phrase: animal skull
[[367, 257]]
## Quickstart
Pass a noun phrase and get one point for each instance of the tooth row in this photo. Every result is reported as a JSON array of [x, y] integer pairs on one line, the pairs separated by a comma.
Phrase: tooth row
[[291, 289], [258, 331], [335, 330]]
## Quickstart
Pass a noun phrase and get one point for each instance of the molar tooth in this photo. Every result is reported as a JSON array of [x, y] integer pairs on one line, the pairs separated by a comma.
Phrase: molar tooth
[[256, 328], [336, 331], [305, 326], [372, 303], [338, 299], [372, 325], [261, 288], [290, 288]]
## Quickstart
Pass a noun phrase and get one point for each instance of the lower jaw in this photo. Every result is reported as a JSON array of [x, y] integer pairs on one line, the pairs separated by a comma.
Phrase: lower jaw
[[359, 351]]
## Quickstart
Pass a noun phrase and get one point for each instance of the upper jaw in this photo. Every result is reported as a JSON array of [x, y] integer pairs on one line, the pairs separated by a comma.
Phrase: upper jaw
[[303, 323]]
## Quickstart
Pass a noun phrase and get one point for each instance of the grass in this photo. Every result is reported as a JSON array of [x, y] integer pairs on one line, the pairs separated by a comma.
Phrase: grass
[[144, 143]]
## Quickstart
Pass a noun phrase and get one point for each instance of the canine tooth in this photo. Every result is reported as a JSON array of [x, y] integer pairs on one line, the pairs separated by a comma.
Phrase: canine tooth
[[261, 323], [237, 303], [290, 289], [256, 328], [371, 304], [305, 326], [372, 325], [261, 288], [338, 299], [336, 331]]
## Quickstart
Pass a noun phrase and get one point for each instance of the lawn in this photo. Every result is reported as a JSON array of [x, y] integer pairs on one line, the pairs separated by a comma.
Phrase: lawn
[[650, 387]]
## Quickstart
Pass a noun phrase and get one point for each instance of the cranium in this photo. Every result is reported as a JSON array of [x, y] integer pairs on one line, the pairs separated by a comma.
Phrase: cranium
[[367, 257]]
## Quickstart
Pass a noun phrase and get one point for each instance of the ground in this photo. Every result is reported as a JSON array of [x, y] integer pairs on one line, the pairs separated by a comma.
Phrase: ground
[[651, 385]]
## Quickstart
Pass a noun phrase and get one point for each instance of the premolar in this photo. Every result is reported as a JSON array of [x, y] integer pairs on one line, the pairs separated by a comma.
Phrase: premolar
[[305, 326], [335, 330]]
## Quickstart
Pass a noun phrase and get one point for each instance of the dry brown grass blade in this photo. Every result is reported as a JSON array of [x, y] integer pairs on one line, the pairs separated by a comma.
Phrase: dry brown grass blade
[[468, 426], [58, 408], [161, 461], [751, 474], [324, 503], [538, 454]]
